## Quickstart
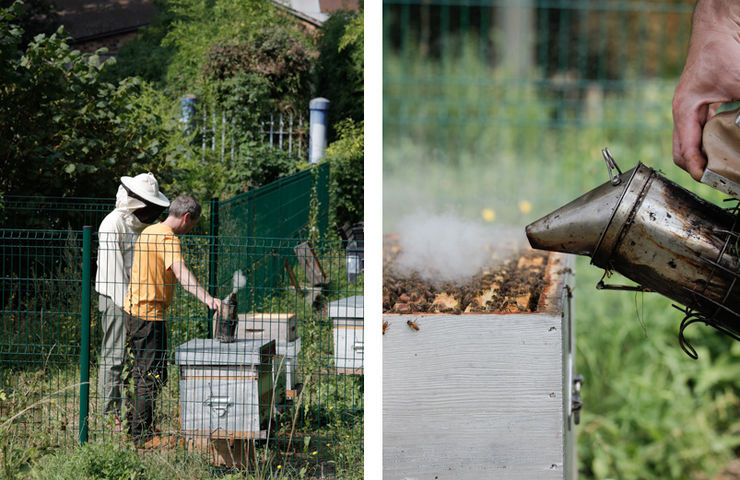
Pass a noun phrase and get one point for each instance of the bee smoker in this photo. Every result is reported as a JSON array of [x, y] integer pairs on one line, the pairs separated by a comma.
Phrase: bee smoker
[[226, 320], [661, 236]]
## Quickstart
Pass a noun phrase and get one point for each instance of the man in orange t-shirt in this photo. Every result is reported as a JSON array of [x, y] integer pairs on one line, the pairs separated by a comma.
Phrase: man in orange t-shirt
[[157, 264]]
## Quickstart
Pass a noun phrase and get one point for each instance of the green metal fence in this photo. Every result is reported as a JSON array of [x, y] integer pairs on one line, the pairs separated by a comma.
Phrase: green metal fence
[[287, 391]]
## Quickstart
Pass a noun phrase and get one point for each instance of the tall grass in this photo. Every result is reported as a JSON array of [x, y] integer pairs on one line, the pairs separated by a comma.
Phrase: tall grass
[[460, 136]]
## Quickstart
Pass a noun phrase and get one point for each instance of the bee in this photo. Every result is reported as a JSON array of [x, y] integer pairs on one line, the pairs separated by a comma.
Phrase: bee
[[412, 325], [385, 327]]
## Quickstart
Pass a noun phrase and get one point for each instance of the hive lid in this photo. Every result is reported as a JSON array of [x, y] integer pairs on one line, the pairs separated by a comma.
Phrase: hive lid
[[350, 307], [208, 351]]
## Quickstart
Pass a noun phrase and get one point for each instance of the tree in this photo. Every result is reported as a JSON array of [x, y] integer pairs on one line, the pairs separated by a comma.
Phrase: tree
[[62, 130], [346, 186], [340, 71]]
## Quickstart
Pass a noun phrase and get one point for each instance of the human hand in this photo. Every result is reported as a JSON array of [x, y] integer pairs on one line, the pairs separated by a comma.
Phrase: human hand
[[214, 304], [711, 76]]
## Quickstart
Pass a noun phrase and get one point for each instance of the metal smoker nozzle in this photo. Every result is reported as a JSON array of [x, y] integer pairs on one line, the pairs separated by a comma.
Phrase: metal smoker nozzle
[[657, 234], [577, 227]]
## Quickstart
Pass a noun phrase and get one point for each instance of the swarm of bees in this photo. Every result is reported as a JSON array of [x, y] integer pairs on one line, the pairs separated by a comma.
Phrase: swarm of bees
[[513, 285]]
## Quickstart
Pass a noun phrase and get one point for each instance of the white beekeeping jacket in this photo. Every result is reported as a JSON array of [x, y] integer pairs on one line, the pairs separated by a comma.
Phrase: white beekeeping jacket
[[117, 236]]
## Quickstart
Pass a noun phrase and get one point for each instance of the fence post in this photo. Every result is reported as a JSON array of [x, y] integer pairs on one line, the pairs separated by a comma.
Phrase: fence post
[[85, 327], [319, 122], [213, 261]]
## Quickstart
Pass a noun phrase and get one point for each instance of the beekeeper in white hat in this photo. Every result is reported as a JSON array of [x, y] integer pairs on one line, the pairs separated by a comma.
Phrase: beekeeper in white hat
[[138, 204]]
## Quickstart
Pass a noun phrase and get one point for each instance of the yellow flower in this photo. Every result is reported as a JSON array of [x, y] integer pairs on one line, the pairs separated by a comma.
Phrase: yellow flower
[[314, 452], [328, 444], [525, 206], [279, 467], [488, 214]]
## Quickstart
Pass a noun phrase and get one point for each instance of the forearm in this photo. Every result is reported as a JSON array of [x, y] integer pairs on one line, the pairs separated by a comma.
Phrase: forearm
[[191, 284]]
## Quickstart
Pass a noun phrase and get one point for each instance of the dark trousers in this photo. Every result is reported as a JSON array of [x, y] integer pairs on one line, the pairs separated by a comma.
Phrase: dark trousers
[[147, 342]]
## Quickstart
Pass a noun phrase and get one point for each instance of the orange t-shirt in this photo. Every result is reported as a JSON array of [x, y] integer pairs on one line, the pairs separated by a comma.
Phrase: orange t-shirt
[[152, 279]]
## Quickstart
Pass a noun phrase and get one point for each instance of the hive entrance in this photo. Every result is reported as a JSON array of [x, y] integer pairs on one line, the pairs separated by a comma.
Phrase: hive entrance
[[511, 282]]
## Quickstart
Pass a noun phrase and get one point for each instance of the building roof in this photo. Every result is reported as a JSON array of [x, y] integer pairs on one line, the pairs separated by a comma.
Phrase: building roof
[[316, 11], [91, 19]]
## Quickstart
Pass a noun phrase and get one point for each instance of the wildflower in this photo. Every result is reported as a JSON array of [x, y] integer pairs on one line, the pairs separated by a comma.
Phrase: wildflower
[[314, 452], [279, 467], [331, 408], [488, 214], [525, 206], [328, 444]]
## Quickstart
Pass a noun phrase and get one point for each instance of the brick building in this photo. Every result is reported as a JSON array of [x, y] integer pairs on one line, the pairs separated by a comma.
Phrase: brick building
[[110, 23]]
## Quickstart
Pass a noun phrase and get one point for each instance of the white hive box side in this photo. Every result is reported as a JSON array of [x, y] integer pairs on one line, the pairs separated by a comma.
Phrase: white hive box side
[[476, 396], [281, 327], [225, 388], [347, 316]]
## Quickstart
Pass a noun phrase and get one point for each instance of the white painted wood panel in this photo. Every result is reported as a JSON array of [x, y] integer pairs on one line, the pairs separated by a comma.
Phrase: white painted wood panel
[[480, 396]]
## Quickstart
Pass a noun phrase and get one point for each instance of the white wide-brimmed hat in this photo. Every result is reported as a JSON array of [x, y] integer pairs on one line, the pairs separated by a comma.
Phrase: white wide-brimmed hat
[[147, 187]]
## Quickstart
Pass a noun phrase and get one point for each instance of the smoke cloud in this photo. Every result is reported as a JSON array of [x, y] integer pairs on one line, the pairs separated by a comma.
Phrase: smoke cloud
[[444, 248], [239, 281]]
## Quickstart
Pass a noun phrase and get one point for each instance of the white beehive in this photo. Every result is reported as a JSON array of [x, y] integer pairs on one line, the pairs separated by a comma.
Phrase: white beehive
[[282, 328], [476, 396], [347, 319], [225, 388]]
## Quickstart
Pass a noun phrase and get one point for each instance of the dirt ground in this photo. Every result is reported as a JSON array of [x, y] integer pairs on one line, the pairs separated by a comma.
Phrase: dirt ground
[[730, 472], [512, 284]]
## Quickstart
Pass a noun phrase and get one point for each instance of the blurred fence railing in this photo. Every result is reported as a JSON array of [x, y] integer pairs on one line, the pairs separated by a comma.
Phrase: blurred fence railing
[[545, 63], [501, 99]]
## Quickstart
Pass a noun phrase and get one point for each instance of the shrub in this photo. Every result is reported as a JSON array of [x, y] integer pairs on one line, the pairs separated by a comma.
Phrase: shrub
[[340, 67], [346, 188]]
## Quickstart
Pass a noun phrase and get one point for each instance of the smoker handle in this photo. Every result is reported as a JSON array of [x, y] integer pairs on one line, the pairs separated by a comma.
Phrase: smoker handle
[[576, 403], [219, 404]]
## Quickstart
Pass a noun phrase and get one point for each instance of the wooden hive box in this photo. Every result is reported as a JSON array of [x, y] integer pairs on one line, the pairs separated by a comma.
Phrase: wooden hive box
[[225, 388], [280, 327], [348, 327], [480, 395]]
